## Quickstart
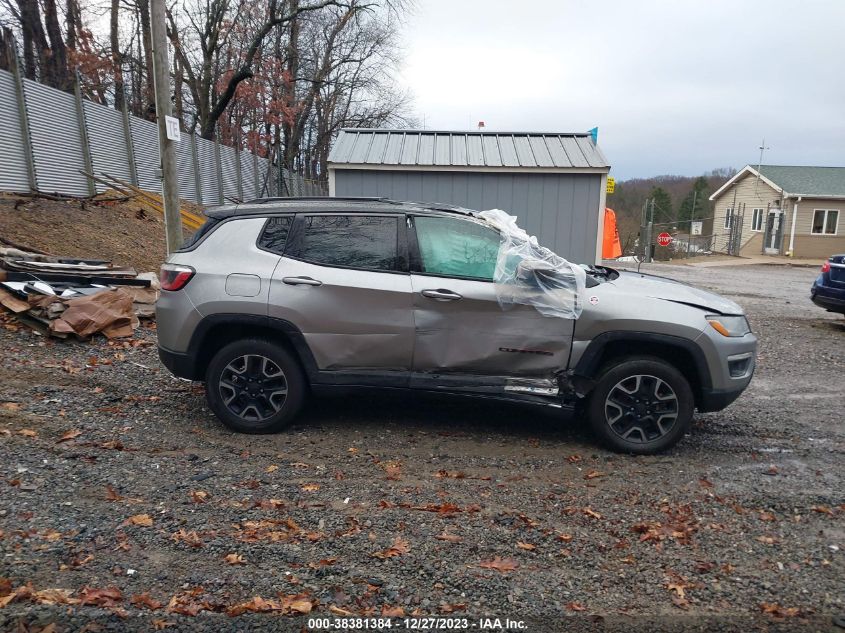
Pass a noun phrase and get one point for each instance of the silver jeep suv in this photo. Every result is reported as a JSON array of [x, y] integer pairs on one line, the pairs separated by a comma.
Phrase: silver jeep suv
[[277, 298]]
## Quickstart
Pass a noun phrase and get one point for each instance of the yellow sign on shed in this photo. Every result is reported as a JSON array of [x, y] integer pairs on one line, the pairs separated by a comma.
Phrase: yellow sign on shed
[[611, 184]]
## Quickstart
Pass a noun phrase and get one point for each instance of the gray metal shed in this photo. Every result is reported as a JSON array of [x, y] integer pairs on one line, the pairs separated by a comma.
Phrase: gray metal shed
[[554, 183]]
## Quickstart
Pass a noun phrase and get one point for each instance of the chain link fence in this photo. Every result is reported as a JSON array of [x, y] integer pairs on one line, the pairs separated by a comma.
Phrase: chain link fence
[[691, 238]]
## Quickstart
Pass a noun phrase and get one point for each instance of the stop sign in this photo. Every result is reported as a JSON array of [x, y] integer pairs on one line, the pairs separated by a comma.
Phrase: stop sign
[[664, 239]]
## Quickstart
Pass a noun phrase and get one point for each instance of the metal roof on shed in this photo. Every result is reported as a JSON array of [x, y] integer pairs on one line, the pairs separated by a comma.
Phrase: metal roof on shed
[[429, 149]]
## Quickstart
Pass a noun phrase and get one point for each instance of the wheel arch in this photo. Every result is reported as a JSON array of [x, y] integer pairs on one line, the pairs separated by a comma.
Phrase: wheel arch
[[683, 354], [218, 330]]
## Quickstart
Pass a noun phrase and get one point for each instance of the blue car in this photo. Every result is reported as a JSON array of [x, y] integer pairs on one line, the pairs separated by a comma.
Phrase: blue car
[[828, 289]]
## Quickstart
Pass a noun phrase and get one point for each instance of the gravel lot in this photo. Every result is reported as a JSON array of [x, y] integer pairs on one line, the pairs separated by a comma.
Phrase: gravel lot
[[116, 477]]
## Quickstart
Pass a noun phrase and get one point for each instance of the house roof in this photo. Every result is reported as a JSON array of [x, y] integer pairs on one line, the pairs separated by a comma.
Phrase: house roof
[[796, 180], [428, 149]]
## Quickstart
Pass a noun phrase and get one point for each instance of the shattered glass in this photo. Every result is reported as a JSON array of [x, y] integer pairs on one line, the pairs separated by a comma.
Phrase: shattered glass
[[529, 274]]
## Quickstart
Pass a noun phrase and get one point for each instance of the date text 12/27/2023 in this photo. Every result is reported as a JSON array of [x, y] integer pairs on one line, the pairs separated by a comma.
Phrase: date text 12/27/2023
[[416, 624]]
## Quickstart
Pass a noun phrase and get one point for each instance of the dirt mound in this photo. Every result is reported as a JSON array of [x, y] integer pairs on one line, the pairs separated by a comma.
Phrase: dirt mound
[[125, 231]]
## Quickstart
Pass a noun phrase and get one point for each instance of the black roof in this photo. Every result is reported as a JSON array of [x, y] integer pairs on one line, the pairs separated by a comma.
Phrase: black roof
[[327, 204]]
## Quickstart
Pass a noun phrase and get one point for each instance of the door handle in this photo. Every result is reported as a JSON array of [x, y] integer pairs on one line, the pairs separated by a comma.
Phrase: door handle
[[301, 281], [441, 295]]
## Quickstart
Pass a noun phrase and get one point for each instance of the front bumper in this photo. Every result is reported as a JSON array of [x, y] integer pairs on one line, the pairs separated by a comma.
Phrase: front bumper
[[731, 362], [710, 400]]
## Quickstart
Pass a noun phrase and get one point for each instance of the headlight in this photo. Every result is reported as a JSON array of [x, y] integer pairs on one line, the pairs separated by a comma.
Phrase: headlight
[[729, 325]]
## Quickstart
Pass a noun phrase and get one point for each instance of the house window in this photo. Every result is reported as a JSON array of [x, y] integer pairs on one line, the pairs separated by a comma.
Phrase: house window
[[729, 214], [757, 219], [825, 222]]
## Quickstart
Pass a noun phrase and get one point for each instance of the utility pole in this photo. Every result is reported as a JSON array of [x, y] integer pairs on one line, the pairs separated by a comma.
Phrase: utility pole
[[167, 147]]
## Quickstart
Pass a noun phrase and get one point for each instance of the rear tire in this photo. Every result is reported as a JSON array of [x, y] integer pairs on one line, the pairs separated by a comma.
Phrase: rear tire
[[255, 386], [641, 406]]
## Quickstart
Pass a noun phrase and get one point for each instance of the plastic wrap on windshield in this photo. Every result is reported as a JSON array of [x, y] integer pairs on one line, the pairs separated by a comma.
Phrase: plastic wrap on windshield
[[529, 274]]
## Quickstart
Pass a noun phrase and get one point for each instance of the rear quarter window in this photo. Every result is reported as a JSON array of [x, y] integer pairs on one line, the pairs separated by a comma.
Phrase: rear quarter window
[[274, 236], [200, 233]]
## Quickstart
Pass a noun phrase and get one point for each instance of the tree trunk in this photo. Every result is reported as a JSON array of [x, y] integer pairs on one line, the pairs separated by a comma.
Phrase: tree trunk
[[35, 41], [73, 22], [289, 90], [58, 58], [116, 56], [149, 85]]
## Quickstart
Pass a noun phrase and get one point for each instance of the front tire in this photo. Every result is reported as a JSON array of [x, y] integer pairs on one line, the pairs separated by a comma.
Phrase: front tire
[[255, 386], [641, 406]]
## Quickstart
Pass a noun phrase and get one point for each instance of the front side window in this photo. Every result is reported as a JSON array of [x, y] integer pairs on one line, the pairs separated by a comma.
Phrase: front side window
[[457, 248], [757, 220], [728, 217], [352, 241], [825, 221]]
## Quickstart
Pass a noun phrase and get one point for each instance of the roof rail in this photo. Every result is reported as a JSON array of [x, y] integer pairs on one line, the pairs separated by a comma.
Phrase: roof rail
[[341, 198]]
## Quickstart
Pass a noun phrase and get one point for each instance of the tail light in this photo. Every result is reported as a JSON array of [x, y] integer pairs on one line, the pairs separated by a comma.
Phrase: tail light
[[826, 267], [175, 276]]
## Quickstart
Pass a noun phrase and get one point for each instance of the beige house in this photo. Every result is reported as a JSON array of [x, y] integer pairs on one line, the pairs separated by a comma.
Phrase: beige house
[[783, 210]]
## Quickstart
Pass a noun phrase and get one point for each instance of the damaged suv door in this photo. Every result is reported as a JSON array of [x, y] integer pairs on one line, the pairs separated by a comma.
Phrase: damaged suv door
[[464, 338], [343, 280]]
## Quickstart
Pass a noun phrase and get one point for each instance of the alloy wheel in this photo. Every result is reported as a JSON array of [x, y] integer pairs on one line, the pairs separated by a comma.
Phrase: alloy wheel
[[641, 408], [253, 387]]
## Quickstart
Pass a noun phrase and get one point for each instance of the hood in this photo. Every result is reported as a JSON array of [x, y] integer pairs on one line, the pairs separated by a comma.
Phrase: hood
[[670, 290]]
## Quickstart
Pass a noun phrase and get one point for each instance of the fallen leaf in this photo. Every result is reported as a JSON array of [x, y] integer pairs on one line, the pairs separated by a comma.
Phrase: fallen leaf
[[766, 516], [400, 546], [451, 538], [28, 433], [53, 596], [159, 625], [310, 487], [822, 510], [392, 612], [344, 613], [112, 495], [108, 597], [271, 468], [191, 537], [234, 559], [52, 535], [572, 459], [705, 483], [593, 474], [575, 606], [566, 538], [592, 513], [451, 608], [198, 496], [526, 546], [778, 611], [768, 540], [10, 406], [502, 565], [69, 435], [773, 470], [144, 520], [145, 600]]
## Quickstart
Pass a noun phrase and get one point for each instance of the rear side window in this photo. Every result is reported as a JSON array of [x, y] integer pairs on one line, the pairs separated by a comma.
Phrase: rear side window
[[352, 241], [275, 234]]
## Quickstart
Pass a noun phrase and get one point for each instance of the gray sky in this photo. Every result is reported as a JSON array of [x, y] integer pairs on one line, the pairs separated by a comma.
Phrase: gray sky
[[675, 86]]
